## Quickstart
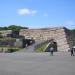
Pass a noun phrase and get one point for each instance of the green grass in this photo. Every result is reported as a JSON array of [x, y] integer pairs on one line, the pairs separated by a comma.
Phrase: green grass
[[9, 49], [7, 39], [41, 48]]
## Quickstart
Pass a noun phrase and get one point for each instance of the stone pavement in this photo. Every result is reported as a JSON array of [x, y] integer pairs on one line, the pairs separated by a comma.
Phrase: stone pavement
[[37, 64], [31, 48]]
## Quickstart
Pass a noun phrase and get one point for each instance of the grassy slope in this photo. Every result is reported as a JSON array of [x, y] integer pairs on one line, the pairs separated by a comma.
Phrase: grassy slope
[[41, 48]]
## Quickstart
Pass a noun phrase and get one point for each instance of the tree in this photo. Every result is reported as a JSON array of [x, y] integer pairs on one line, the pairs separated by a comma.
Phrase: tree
[[13, 27]]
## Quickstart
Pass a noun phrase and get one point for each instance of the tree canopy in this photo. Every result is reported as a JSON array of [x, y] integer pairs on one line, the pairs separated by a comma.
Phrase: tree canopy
[[72, 30], [13, 27]]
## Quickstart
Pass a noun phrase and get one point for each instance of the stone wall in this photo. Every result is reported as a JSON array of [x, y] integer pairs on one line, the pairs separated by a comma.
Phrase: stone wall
[[9, 33], [59, 34], [5, 32]]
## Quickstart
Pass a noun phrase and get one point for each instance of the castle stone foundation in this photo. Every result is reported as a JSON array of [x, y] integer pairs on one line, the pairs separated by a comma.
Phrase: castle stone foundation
[[60, 35]]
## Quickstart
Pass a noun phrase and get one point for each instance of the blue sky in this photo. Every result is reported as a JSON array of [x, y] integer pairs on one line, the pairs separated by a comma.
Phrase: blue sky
[[38, 13]]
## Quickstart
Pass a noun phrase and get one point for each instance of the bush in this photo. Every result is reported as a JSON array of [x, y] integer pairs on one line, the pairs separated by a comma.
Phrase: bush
[[12, 50]]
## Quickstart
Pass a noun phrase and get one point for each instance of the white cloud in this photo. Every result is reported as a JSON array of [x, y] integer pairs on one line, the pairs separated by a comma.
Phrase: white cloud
[[70, 22], [26, 11]]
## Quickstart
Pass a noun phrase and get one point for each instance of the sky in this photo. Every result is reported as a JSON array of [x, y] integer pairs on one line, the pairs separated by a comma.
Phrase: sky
[[38, 13]]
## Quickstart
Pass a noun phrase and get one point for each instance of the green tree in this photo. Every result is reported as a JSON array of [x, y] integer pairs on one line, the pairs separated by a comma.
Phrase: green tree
[[13, 27]]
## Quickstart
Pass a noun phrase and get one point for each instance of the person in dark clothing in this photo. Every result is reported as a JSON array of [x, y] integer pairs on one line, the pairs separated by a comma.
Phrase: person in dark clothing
[[74, 49], [72, 52]]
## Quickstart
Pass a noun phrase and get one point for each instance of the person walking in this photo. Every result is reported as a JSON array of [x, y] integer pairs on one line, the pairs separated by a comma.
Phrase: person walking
[[51, 51], [74, 49], [26, 45], [72, 52]]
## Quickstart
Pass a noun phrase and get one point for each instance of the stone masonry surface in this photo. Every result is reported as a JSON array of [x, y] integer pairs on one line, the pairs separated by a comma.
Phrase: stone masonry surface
[[58, 34]]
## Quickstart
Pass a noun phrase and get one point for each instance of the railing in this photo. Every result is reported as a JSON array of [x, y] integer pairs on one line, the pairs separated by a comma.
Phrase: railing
[[40, 43]]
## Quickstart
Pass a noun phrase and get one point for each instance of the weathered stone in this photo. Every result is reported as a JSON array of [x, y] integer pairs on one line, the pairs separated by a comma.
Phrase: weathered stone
[[19, 43], [58, 34]]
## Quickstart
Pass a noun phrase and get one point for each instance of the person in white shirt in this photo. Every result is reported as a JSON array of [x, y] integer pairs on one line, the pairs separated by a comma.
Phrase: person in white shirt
[[51, 51]]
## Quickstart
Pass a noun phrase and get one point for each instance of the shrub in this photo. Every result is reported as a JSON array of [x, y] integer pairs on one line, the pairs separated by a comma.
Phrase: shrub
[[12, 50]]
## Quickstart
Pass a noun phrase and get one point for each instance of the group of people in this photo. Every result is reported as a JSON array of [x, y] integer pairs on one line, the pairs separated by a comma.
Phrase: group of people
[[72, 51]]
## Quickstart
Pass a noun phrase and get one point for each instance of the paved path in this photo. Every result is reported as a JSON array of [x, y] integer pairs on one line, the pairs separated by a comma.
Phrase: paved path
[[31, 48], [37, 64]]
